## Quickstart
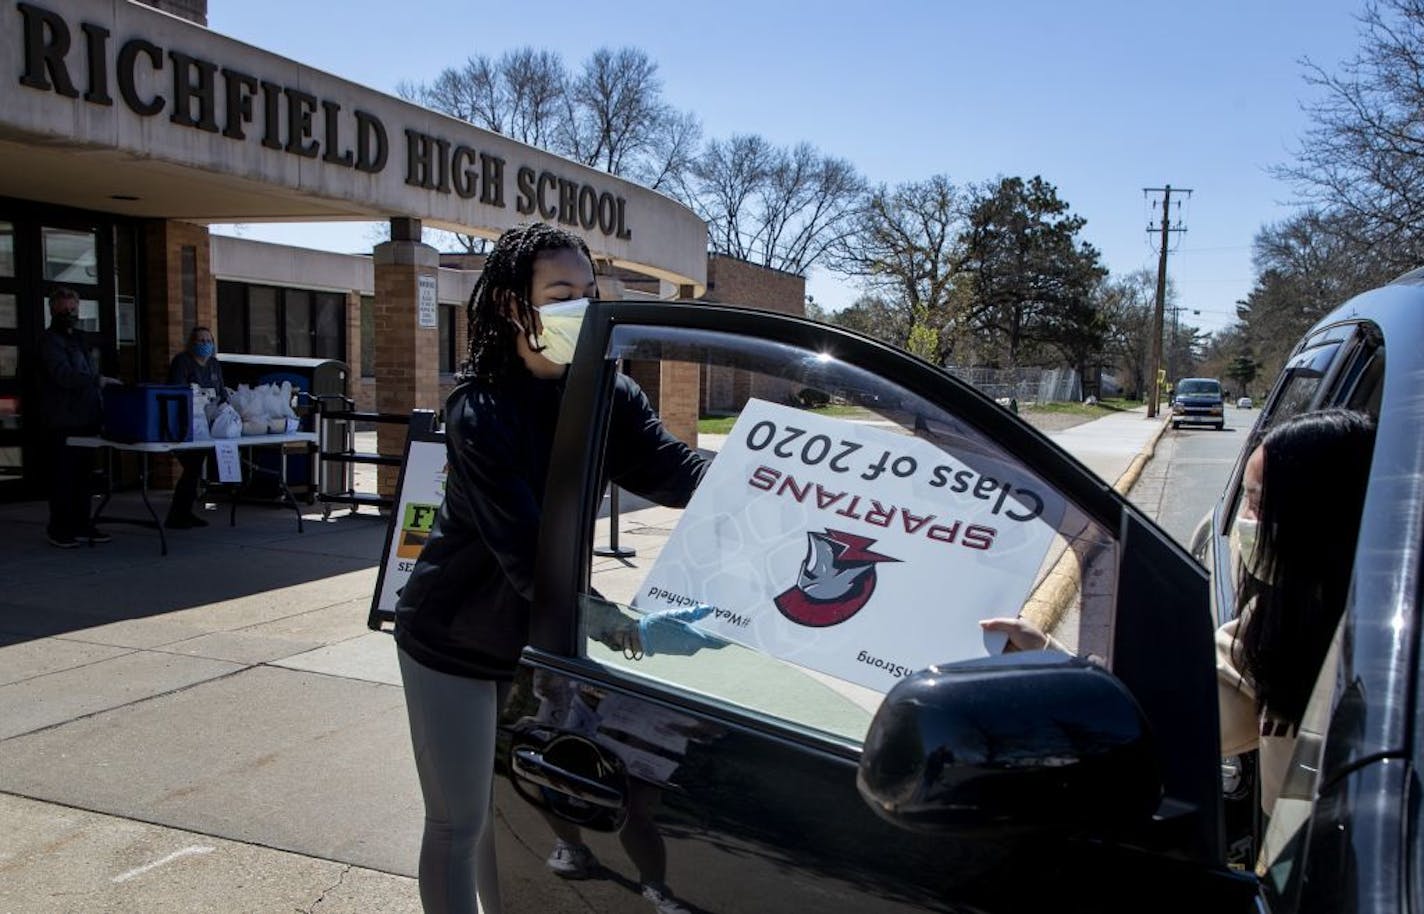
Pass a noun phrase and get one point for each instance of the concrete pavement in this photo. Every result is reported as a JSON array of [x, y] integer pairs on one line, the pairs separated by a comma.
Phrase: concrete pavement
[[217, 730]]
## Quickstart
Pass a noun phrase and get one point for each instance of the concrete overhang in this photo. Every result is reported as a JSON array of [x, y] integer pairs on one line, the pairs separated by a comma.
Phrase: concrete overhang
[[149, 115]]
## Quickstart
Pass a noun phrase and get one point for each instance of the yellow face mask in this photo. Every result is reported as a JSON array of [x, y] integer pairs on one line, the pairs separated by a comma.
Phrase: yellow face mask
[[1247, 532], [562, 323]]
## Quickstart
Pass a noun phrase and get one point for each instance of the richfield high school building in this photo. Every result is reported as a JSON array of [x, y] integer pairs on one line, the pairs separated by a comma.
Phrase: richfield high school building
[[127, 128]]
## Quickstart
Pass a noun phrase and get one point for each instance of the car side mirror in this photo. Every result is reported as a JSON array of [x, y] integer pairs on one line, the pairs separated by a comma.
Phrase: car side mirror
[[1023, 741]]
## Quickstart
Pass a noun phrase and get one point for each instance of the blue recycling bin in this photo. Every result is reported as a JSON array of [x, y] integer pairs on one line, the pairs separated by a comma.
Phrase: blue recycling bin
[[148, 413]]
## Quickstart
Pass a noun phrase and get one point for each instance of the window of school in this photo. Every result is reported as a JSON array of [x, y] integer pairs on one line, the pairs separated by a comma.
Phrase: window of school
[[270, 320]]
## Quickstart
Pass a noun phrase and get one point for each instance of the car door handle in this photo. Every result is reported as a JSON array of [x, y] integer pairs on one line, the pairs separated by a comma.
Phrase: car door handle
[[533, 767]]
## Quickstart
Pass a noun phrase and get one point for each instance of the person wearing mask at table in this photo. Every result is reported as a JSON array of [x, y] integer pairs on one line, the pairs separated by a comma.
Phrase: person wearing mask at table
[[70, 405], [197, 364]]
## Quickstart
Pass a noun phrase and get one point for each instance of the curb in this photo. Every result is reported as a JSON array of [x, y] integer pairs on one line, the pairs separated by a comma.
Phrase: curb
[[1051, 598]]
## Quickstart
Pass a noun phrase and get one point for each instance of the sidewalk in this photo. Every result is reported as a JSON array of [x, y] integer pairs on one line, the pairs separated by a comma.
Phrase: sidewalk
[[218, 730]]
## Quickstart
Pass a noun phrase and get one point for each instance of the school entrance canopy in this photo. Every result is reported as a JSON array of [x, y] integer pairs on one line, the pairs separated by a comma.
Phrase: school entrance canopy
[[125, 130], [116, 107]]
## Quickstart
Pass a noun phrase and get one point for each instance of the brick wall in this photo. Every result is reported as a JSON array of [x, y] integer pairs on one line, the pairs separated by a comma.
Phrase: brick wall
[[406, 363], [165, 329], [736, 282], [353, 344], [678, 395], [165, 332]]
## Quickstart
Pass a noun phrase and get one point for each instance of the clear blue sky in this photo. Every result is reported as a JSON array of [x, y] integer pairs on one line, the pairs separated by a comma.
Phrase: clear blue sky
[[1100, 98]]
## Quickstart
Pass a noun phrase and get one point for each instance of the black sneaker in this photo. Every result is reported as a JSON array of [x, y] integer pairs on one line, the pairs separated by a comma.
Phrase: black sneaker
[[62, 542], [178, 523], [95, 535]]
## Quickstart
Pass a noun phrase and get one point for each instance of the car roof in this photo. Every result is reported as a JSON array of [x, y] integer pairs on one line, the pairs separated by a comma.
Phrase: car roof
[[1385, 595]]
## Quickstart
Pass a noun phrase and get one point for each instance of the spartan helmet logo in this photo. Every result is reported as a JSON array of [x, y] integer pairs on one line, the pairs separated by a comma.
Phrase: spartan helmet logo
[[836, 579]]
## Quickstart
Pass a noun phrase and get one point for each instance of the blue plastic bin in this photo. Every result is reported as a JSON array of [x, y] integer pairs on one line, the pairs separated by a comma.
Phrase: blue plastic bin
[[148, 412]]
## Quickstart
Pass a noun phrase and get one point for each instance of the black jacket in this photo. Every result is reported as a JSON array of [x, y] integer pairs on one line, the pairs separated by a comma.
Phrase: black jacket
[[184, 369], [465, 609], [69, 384]]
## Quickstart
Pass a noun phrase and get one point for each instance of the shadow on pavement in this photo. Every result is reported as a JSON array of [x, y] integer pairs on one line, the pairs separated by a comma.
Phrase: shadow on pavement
[[46, 591]]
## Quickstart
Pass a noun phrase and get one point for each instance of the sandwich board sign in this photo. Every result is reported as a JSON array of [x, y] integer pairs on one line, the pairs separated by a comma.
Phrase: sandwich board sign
[[419, 492]]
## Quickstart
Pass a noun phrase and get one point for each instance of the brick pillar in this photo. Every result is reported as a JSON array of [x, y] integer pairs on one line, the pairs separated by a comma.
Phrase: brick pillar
[[178, 281], [353, 343], [679, 395], [168, 246], [407, 354]]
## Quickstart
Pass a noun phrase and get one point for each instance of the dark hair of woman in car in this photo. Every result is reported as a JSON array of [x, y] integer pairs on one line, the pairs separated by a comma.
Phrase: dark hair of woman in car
[[1316, 469], [502, 294]]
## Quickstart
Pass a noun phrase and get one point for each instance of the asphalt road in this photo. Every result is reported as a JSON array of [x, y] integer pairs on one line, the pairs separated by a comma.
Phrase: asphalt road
[[1189, 470]]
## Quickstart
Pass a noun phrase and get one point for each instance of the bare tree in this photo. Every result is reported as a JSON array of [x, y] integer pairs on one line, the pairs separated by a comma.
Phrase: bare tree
[[611, 115], [873, 316], [906, 243], [672, 154], [805, 205], [1126, 304], [781, 208], [518, 95], [534, 85], [1305, 266], [612, 109], [1363, 155], [726, 178]]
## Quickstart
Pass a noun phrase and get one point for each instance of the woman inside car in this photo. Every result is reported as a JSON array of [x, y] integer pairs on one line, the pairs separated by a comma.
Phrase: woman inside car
[[1303, 498], [463, 617]]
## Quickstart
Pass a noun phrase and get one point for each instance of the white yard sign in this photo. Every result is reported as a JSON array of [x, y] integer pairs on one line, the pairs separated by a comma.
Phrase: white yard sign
[[422, 488], [853, 550]]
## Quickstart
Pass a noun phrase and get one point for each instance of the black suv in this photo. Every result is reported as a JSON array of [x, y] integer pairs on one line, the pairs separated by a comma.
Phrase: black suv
[[1197, 401]]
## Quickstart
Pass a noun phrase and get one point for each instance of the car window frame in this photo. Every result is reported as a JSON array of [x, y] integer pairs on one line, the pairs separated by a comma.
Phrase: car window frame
[[1166, 589], [1359, 341]]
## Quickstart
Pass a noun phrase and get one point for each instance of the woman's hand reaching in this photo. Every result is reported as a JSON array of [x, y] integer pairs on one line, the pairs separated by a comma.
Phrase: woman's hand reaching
[[1023, 636]]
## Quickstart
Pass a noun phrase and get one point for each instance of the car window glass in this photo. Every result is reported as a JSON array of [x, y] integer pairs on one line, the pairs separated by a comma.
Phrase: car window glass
[[1283, 845], [1198, 387], [1303, 376], [1300, 381], [856, 532], [1367, 389]]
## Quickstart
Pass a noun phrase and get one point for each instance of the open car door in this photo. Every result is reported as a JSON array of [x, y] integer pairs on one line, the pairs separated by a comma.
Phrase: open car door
[[862, 512]]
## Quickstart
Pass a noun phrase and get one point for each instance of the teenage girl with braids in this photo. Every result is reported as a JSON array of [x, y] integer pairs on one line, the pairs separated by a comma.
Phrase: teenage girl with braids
[[1304, 496], [463, 617]]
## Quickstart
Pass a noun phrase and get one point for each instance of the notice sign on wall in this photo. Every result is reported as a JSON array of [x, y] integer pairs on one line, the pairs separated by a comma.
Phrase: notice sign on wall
[[429, 309], [851, 549]]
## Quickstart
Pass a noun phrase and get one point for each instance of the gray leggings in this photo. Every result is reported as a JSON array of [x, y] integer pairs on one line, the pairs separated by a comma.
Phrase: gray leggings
[[452, 729]]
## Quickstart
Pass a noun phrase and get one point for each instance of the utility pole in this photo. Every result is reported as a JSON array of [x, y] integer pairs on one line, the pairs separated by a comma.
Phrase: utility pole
[[1153, 384], [1171, 345]]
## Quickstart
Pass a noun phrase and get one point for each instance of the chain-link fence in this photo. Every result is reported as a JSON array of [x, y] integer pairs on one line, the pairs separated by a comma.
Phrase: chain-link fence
[[1024, 385]]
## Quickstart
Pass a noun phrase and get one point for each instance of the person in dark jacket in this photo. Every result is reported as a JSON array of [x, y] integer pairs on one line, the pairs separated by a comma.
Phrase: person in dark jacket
[[70, 405], [463, 617], [197, 364]]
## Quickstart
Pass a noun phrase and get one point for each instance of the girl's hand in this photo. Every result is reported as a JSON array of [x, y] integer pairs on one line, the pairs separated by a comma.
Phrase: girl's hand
[[1022, 635]]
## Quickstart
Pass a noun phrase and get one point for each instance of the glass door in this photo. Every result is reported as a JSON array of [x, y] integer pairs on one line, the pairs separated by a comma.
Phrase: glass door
[[12, 461], [41, 250]]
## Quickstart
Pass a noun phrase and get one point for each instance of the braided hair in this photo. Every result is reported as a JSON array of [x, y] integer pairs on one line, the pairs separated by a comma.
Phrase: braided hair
[[504, 286]]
